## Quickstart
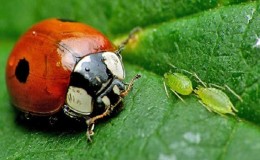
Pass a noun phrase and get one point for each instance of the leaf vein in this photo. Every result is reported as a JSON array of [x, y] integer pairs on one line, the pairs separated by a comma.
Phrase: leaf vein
[[228, 142]]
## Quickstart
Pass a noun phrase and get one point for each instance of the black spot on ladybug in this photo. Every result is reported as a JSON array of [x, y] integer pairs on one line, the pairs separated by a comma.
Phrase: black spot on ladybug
[[65, 20], [22, 70]]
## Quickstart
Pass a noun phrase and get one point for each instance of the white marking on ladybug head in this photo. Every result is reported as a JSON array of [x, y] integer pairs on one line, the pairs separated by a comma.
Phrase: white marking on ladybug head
[[106, 101], [104, 85], [114, 64], [78, 67], [116, 90], [79, 100], [98, 79]]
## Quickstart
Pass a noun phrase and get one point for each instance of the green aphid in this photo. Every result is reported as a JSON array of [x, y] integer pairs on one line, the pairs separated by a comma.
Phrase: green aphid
[[178, 84], [215, 100]]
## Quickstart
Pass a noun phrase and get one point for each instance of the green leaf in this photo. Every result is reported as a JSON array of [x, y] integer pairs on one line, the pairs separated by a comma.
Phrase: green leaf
[[218, 40]]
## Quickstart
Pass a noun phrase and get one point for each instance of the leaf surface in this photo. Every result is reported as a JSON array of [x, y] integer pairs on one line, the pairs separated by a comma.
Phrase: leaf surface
[[217, 40]]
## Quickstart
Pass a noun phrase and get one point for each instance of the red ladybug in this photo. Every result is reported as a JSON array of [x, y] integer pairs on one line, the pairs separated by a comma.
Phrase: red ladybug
[[66, 66]]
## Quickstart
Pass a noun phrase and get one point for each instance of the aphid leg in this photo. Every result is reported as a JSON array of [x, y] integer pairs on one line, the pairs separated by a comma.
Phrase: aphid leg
[[237, 118], [178, 96], [130, 86], [131, 36], [233, 108], [232, 113], [91, 121], [165, 88], [212, 110], [223, 115], [234, 93], [205, 106]]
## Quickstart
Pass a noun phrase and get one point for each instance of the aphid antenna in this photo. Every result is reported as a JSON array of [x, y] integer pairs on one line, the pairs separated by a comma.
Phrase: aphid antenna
[[229, 89], [165, 88], [216, 86], [178, 96], [197, 77], [183, 70], [191, 73], [173, 66]]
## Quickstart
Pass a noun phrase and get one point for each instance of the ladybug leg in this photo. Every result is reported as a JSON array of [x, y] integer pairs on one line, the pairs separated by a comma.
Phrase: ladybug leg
[[53, 120], [109, 108], [130, 86], [26, 115], [91, 121]]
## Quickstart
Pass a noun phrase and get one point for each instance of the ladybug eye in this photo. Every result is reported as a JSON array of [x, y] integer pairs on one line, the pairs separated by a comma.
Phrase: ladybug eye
[[87, 69], [22, 70]]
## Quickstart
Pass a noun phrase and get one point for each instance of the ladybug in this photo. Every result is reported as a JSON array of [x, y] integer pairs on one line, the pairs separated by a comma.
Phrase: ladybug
[[60, 65]]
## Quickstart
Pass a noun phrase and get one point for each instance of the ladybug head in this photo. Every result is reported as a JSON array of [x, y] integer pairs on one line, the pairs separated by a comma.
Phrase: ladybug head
[[93, 77]]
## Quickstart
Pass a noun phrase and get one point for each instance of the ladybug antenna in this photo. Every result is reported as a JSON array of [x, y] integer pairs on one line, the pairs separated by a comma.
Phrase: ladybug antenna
[[126, 41], [119, 50]]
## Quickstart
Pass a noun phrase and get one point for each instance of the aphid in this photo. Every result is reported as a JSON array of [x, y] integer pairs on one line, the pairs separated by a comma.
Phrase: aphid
[[178, 84], [212, 98], [215, 100]]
